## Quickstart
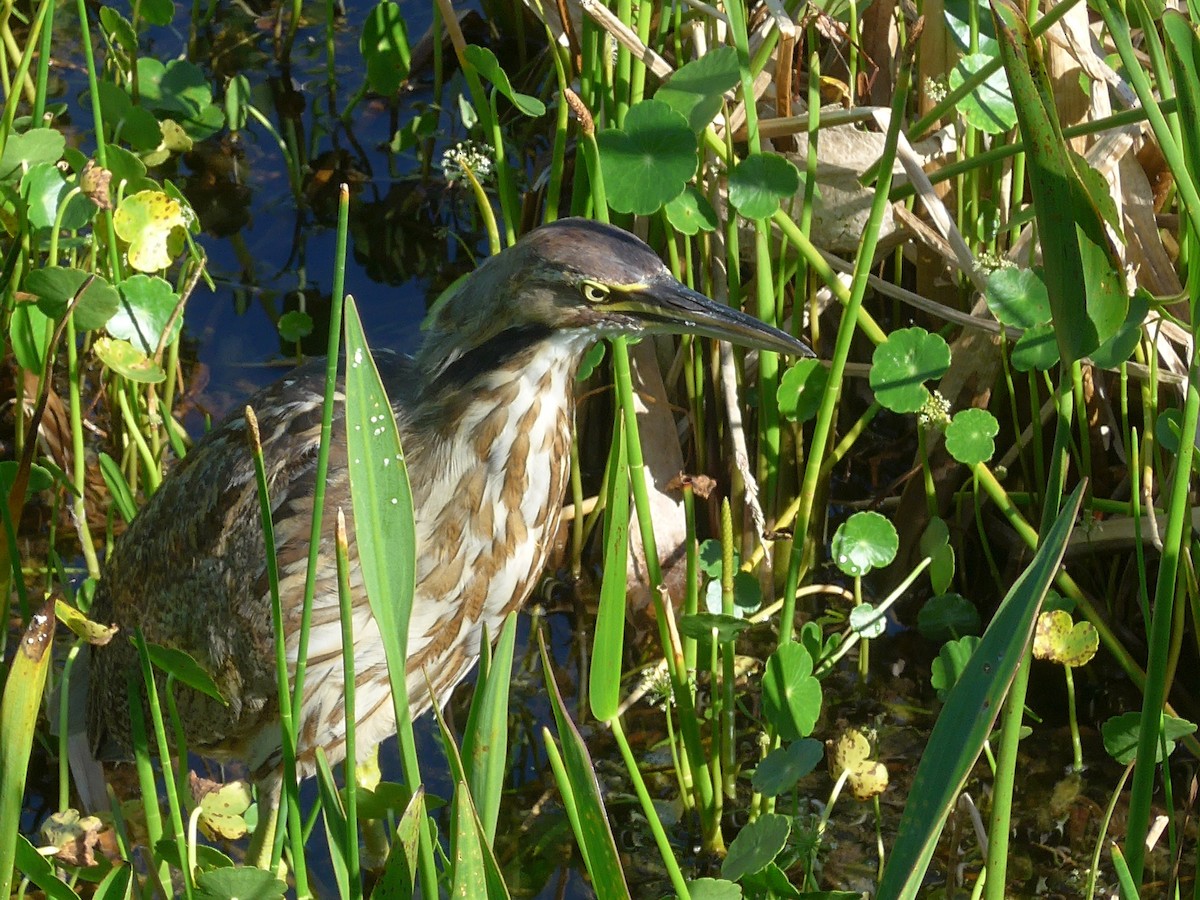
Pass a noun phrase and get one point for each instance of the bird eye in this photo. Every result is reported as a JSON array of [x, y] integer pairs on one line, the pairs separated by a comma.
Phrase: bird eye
[[593, 292]]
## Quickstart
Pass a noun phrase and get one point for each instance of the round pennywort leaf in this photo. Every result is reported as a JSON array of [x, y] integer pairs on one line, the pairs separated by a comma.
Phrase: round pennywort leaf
[[647, 163], [864, 542], [970, 436], [903, 363]]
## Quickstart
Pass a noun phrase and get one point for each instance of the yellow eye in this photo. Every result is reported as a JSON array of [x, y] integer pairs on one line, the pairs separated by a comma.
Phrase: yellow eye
[[593, 292]]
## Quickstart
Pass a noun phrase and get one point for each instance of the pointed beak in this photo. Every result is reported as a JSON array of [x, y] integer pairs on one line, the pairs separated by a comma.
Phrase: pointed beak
[[668, 306]]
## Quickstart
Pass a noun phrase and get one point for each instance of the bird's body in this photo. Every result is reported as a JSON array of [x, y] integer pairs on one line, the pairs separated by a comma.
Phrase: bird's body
[[485, 412]]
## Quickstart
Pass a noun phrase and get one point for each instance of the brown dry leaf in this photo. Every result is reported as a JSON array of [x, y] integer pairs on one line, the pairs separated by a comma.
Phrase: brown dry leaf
[[77, 838], [850, 753]]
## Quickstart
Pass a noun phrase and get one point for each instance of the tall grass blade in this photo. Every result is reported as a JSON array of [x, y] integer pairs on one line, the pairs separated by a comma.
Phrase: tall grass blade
[[18, 723], [485, 739], [336, 829], [39, 870], [400, 870], [1087, 292], [593, 832], [608, 645], [970, 711]]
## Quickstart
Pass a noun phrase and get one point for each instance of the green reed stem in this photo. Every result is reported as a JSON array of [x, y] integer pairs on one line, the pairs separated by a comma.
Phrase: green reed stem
[[660, 836], [346, 608], [637, 471], [174, 807], [289, 793]]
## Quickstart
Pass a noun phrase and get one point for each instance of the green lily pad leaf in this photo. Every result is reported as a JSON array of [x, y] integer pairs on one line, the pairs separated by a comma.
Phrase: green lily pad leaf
[[813, 639], [690, 212], [1018, 297], [55, 287], [157, 12], [935, 543], [1118, 348], [947, 617], [903, 363], [990, 106], [951, 662], [207, 858], [485, 62], [24, 151], [801, 390], [118, 29], [126, 168], [756, 846], [961, 23], [591, 359], [695, 91], [791, 695], [1121, 736], [970, 436], [1037, 349], [132, 124], [747, 592], [864, 542], [29, 336], [759, 182], [866, 621], [128, 361], [710, 558], [648, 163], [179, 90], [44, 187], [239, 883], [294, 325], [701, 626], [384, 46], [153, 225], [784, 766], [185, 669], [39, 479], [147, 305], [714, 889], [1167, 428], [1060, 640]]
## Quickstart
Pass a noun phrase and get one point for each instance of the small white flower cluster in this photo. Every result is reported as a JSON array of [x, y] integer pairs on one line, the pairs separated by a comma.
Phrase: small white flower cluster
[[987, 262], [935, 413], [467, 155], [936, 90]]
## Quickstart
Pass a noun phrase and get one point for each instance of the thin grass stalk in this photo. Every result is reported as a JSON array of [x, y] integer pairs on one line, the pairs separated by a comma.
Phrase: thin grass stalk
[[43, 69], [174, 807], [346, 608], [64, 725], [1004, 779], [652, 819], [110, 232], [78, 457], [727, 756], [289, 794], [845, 336], [637, 470], [11, 101]]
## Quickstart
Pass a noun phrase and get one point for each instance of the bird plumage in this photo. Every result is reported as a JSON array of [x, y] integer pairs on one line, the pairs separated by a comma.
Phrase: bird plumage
[[485, 412]]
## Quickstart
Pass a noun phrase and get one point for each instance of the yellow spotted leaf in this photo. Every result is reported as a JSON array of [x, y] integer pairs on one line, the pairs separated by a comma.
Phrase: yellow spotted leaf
[[850, 753], [1060, 640], [222, 808], [92, 632], [153, 225]]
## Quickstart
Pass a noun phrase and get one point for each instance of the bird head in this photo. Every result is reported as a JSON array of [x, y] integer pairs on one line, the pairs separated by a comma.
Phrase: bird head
[[586, 279]]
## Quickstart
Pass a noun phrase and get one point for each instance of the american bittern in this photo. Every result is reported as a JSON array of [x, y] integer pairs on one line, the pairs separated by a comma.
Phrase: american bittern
[[485, 413]]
